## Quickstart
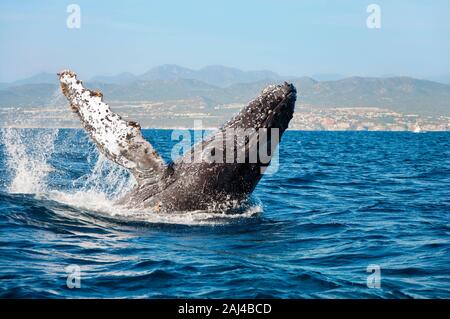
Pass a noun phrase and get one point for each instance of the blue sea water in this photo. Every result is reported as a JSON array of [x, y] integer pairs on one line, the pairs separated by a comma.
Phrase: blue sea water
[[341, 203]]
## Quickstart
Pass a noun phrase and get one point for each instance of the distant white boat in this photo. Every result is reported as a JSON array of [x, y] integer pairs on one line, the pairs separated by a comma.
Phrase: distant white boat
[[418, 129]]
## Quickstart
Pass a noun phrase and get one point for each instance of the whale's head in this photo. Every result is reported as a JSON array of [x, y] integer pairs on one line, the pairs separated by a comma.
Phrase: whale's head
[[229, 164], [259, 126]]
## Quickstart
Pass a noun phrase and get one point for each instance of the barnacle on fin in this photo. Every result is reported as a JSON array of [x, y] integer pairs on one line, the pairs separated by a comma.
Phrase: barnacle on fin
[[96, 93]]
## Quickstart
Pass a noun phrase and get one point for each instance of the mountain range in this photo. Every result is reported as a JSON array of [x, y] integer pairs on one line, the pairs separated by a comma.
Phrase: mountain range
[[222, 85]]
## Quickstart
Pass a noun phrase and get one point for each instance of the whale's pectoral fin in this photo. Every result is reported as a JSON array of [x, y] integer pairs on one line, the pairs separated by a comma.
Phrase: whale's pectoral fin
[[119, 140]]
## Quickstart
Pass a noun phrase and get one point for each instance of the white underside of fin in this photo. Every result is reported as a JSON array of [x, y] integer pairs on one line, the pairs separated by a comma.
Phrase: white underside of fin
[[119, 140]]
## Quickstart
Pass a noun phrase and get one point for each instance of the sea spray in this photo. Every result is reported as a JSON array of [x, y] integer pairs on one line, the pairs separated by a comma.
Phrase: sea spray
[[27, 154], [107, 178], [99, 189], [57, 99]]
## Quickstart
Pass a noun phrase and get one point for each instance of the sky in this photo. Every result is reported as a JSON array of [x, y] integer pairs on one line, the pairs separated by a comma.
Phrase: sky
[[288, 37]]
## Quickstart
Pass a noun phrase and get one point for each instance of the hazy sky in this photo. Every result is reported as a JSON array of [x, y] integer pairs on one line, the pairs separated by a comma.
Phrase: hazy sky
[[289, 37]]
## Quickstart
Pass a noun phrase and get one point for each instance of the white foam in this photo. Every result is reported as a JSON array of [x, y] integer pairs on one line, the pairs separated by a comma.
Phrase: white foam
[[28, 165], [106, 178], [100, 203]]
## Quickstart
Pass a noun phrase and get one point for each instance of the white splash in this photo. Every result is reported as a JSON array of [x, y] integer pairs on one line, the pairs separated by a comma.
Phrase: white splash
[[197, 217], [28, 166], [57, 99], [106, 178], [100, 203], [99, 189]]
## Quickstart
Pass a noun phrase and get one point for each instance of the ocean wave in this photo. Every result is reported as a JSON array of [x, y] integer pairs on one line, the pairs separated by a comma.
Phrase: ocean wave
[[346, 201]]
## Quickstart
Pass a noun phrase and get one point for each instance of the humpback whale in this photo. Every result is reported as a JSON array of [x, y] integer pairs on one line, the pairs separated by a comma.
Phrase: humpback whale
[[218, 181]]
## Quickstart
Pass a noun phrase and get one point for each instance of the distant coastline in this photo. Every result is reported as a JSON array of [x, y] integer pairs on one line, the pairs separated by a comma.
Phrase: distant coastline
[[182, 114], [216, 128], [171, 96]]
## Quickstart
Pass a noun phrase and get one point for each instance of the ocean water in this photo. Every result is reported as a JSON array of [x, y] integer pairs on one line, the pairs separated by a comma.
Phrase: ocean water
[[347, 215]]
